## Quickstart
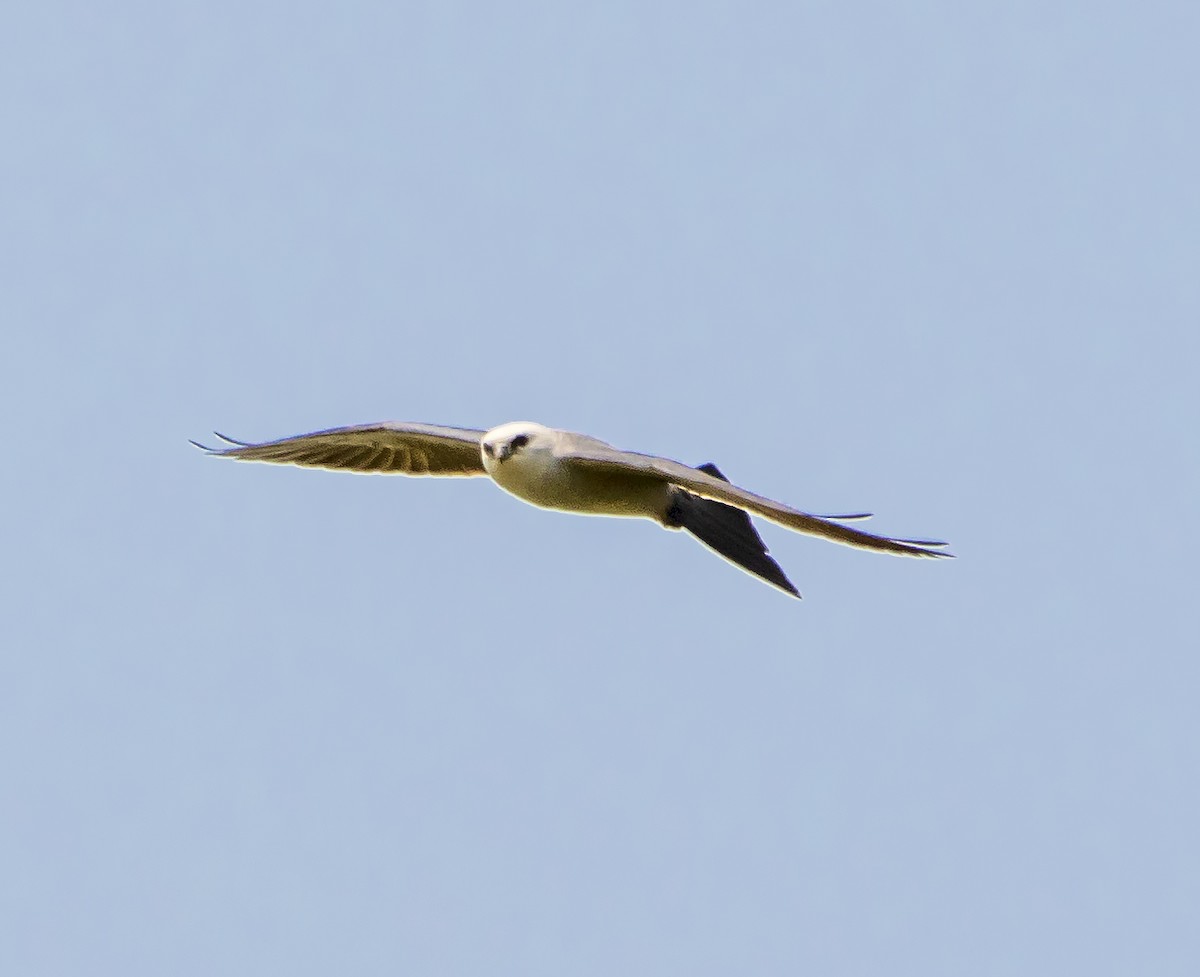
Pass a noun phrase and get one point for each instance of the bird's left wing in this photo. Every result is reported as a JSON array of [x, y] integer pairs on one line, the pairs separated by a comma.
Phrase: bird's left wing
[[391, 448], [589, 454]]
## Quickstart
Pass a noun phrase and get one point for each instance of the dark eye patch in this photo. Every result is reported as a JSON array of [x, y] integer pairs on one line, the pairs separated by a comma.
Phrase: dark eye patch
[[520, 441]]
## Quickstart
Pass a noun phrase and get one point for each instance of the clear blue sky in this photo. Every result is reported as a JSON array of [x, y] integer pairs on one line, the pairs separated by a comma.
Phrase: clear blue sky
[[937, 260]]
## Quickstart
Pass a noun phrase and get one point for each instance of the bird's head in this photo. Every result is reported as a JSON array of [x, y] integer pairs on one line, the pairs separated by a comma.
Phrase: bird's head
[[501, 443]]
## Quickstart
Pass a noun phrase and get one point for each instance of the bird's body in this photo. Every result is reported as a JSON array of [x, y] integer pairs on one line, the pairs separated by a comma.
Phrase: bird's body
[[540, 472], [576, 473]]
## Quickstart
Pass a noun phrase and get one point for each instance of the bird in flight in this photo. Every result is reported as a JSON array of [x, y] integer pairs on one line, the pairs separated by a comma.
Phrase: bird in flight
[[576, 473]]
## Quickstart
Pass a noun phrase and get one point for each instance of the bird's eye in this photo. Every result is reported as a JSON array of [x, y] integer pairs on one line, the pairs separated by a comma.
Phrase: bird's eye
[[520, 441]]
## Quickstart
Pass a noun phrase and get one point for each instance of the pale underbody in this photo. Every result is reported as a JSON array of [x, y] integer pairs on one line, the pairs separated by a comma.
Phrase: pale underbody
[[542, 474]]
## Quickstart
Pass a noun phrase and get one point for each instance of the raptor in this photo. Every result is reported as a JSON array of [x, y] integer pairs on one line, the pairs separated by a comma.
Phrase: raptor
[[572, 472]]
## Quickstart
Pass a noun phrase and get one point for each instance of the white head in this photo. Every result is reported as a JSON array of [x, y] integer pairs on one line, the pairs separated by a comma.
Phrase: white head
[[501, 443]]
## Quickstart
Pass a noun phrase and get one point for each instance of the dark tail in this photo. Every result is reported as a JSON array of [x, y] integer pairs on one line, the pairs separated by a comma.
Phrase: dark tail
[[727, 531]]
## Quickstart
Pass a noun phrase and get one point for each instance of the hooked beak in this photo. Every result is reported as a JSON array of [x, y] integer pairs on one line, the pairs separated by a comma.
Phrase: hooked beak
[[498, 452]]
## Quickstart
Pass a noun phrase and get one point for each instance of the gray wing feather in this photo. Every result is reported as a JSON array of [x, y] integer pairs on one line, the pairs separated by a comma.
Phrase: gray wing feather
[[393, 448], [708, 487]]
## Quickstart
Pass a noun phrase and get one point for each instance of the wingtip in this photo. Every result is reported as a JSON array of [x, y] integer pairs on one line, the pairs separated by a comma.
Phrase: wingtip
[[919, 547], [218, 450]]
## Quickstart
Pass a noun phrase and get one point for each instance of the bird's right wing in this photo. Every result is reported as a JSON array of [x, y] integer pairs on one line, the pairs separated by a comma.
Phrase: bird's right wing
[[392, 448]]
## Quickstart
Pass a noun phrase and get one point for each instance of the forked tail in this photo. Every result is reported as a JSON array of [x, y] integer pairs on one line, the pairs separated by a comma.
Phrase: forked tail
[[727, 531]]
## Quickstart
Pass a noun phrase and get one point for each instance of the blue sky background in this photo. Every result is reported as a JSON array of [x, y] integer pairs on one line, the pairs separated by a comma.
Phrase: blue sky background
[[938, 261]]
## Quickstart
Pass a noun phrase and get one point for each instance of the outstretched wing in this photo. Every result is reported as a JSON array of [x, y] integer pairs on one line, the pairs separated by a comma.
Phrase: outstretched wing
[[706, 486], [392, 448]]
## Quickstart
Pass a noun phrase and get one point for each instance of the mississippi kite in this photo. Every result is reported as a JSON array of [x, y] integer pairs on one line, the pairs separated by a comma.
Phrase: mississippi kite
[[576, 473]]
